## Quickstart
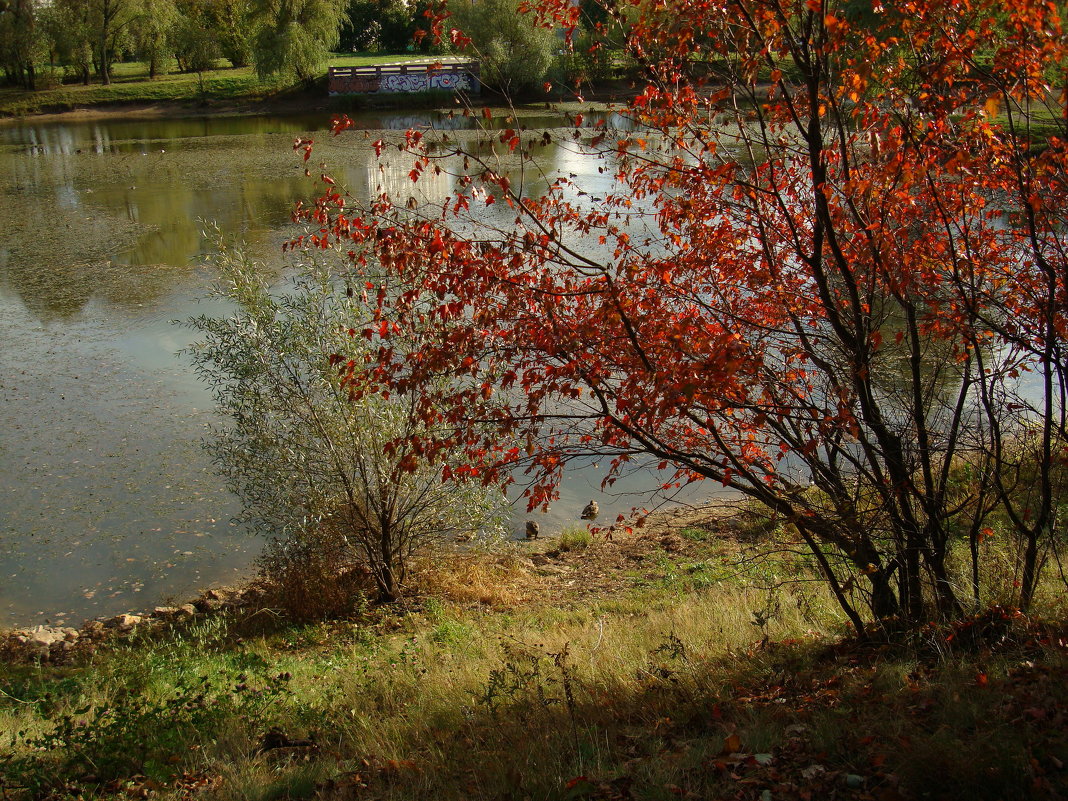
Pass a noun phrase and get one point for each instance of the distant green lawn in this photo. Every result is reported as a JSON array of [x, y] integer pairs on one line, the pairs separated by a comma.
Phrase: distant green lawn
[[131, 85]]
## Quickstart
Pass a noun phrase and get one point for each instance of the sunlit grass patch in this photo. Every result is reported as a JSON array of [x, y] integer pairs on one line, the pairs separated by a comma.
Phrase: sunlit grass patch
[[476, 577], [574, 539], [697, 533]]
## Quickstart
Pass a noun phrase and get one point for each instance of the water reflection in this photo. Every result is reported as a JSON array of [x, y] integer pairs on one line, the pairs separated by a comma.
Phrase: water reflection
[[107, 500], [144, 136], [77, 229]]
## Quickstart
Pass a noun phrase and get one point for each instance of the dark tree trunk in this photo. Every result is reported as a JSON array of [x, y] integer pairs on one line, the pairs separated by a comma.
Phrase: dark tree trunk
[[1030, 571], [884, 602], [945, 597], [386, 575], [915, 609]]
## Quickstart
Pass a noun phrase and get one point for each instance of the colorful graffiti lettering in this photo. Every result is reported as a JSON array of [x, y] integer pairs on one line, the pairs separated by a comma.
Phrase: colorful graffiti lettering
[[344, 82]]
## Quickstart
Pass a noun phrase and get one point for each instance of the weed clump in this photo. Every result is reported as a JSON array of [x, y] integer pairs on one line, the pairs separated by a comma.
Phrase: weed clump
[[574, 539]]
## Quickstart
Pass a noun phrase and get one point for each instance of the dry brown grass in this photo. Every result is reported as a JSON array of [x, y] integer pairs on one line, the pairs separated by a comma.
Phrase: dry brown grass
[[478, 578], [314, 578]]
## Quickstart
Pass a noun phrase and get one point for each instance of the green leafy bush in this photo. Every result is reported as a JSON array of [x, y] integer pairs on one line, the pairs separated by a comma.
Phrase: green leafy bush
[[101, 739]]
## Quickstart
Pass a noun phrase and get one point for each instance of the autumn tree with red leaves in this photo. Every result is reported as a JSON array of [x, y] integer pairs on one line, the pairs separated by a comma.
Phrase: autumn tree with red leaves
[[830, 274]]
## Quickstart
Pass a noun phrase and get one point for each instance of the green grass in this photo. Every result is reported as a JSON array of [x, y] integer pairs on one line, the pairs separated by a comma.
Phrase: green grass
[[131, 85], [574, 539], [443, 705], [696, 533]]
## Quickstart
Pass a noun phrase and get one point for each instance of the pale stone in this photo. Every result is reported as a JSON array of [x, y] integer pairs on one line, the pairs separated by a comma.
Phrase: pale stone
[[44, 636], [123, 622]]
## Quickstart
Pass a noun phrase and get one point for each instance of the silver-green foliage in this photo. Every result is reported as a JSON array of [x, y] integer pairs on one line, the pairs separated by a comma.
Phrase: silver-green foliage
[[310, 454]]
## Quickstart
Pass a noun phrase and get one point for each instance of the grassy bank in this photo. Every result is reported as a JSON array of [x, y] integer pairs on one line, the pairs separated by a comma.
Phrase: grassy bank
[[667, 665], [224, 87]]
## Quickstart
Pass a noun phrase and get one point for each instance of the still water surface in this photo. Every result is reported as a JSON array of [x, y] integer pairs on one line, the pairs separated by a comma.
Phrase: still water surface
[[107, 502]]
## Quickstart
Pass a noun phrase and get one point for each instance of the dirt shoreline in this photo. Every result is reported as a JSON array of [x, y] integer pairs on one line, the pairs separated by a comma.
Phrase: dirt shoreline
[[177, 110], [58, 643]]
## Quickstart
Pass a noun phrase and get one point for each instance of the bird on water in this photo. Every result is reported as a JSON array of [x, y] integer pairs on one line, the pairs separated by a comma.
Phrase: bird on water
[[591, 511]]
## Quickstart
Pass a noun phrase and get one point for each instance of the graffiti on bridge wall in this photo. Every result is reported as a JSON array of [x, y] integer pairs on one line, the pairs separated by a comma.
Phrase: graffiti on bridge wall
[[404, 82]]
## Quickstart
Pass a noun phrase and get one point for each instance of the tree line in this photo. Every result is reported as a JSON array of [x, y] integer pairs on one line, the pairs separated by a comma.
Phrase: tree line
[[289, 38], [87, 37]]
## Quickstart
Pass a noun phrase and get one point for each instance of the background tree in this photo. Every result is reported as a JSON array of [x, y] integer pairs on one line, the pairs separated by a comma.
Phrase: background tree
[[153, 32], [799, 285], [515, 52], [315, 460], [295, 37], [22, 44], [233, 22], [110, 21], [195, 40], [70, 30], [372, 25]]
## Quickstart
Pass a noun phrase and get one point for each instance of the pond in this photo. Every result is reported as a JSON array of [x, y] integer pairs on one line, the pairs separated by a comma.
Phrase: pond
[[108, 502]]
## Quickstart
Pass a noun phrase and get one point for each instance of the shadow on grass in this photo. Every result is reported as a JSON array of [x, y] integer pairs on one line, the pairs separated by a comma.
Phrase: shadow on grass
[[798, 719], [458, 707]]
